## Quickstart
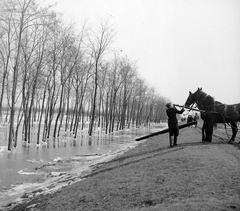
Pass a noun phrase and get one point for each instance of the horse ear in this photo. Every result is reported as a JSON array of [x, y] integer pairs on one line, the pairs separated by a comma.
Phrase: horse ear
[[190, 93], [200, 89]]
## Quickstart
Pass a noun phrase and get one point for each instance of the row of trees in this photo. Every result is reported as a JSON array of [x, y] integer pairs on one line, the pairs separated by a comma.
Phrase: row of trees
[[58, 78]]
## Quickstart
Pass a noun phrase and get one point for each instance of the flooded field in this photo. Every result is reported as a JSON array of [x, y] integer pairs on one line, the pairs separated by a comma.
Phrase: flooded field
[[31, 163]]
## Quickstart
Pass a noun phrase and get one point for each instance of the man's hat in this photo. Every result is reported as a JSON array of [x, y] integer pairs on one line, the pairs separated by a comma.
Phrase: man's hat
[[168, 104]]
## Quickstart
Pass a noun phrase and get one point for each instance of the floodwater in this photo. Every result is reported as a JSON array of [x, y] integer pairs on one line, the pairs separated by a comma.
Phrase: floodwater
[[22, 165]]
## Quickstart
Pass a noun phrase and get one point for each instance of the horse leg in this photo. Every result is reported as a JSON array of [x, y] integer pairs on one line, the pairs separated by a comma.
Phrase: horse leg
[[234, 131], [209, 131], [203, 131]]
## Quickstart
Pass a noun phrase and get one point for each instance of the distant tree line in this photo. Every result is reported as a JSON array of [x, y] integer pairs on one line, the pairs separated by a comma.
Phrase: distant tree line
[[56, 77]]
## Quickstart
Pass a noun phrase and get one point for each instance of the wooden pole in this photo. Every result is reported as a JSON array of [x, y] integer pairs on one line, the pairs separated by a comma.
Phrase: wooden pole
[[165, 131], [194, 109], [199, 110]]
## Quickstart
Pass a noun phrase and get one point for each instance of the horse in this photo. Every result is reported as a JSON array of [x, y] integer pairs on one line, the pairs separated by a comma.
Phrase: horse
[[215, 112], [207, 106]]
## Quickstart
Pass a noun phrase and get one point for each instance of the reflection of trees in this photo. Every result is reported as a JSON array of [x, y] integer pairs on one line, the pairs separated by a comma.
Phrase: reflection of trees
[[59, 79]]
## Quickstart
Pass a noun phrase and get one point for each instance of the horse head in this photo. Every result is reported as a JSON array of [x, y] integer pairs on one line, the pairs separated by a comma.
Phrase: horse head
[[193, 97], [203, 100]]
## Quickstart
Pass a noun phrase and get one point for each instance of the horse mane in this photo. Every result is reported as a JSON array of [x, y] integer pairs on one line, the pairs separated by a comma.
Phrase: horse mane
[[209, 102], [205, 101], [210, 98]]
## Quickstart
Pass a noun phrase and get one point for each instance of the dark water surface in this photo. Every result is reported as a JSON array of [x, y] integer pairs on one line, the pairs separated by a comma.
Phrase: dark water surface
[[19, 166]]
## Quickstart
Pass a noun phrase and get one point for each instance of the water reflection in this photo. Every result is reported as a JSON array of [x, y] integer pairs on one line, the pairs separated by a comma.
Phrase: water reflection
[[28, 156], [66, 139]]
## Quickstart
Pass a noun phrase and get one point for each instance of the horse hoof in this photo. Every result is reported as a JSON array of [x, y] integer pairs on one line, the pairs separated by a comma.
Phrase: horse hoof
[[206, 141], [230, 141]]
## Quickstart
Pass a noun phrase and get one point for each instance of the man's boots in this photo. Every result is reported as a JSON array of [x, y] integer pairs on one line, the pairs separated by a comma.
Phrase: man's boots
[[171, 141], [175, 141]]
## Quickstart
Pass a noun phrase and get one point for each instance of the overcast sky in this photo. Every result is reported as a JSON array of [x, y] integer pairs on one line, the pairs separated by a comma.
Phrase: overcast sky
[[179, 45]]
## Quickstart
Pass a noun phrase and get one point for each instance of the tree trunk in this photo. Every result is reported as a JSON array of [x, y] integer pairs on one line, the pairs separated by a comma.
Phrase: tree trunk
[[41, 115], [59, 112], [94, 101]]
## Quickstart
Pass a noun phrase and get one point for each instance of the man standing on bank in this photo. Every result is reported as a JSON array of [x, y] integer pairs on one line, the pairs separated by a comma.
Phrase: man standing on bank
[[173, 123]]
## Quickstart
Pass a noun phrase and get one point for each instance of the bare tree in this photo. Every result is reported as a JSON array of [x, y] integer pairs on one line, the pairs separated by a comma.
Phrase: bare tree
[[46, 68], [118, 78], [70, 55], [99, 42], [25, 12], [128, 75], [7, 36], [82, 79]]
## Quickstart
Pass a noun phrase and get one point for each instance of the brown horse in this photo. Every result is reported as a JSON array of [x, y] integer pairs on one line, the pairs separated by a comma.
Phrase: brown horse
[[215, 112]]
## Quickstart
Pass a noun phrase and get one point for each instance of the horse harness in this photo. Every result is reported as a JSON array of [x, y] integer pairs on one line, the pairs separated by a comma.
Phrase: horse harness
[[224, 111]]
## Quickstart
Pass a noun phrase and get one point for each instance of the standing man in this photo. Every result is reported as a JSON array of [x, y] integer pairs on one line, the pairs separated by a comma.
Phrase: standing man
[[173, 123]]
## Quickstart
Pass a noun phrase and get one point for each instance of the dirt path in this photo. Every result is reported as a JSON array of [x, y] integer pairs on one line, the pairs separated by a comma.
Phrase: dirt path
[[152, 176]]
